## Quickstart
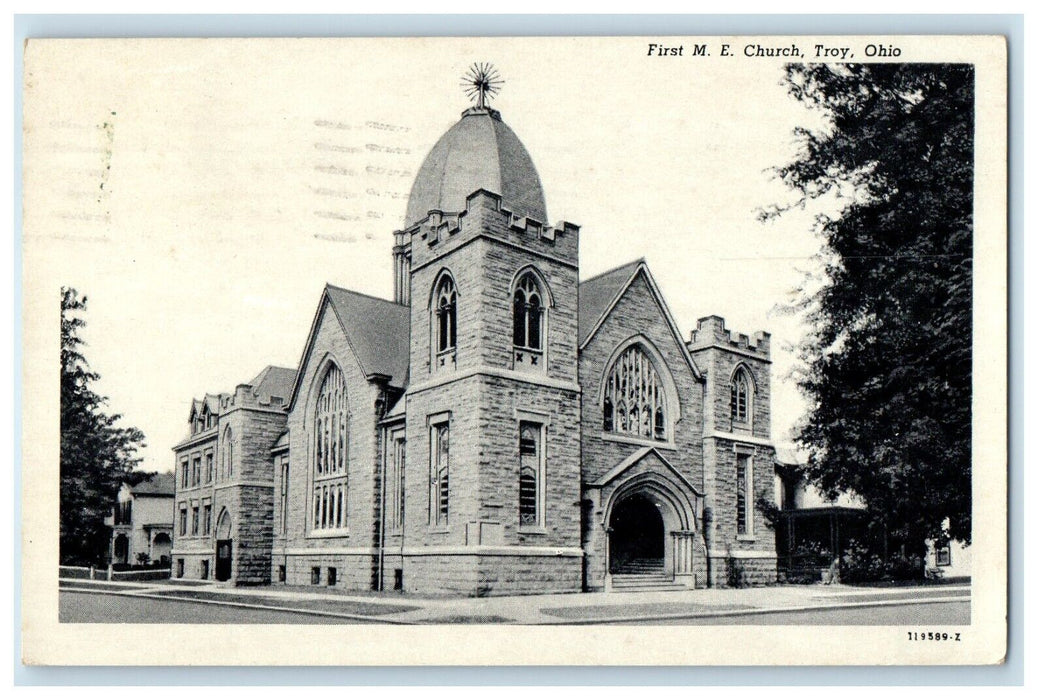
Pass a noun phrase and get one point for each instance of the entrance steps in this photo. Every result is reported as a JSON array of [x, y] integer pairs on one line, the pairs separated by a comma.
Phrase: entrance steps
[[641, 566], [645, 575]]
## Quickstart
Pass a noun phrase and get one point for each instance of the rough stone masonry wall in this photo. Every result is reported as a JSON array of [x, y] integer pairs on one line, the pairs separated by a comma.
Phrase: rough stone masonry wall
[[499, 461], [461, 400], [461, 266], [249, 496], [719, 366], [742, 572], [500, 266], [491, 575], [638, 313], [252, 546], [330, 345], [736, 559], [352, 572], [483, 249]]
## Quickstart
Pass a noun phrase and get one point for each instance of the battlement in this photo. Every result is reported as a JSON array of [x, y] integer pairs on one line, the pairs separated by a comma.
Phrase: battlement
[[711, 331], [246, 396], [485, 215]]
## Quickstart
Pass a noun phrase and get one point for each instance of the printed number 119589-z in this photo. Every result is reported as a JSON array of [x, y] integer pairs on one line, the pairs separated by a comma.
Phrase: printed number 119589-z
[[934, 636]]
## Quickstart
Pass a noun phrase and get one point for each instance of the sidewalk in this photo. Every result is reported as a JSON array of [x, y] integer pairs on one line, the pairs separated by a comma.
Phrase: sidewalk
[[567, 608]]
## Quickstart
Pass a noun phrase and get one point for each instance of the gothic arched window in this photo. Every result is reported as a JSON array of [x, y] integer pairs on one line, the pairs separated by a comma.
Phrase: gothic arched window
[[528, 314], [633, 400], [226, 455], [330, 454], [445, 314], [740, 397]]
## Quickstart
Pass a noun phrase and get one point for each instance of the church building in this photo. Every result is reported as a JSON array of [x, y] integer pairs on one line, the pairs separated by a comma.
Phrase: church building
[[498, 427]]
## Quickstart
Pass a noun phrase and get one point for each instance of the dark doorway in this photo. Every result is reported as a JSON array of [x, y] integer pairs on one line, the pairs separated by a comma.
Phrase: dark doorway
[[637, 537], [120, 550], [223, 563]]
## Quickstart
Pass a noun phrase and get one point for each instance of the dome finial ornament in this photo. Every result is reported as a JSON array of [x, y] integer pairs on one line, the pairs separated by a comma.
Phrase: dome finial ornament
[[481, 83]]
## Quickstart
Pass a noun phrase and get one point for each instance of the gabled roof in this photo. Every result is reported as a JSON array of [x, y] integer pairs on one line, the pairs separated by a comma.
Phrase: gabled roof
[[634, 458], [155, 485], [377, 330], [597, 293], [212, 403], [598, 296], [273, 382]]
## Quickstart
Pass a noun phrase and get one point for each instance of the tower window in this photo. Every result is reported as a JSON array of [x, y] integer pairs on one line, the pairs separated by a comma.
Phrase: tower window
[[744, 479], [284, 487], [226, 455], [439, 499], [528, 314], [445, 314], [740, 397], [531, 471]]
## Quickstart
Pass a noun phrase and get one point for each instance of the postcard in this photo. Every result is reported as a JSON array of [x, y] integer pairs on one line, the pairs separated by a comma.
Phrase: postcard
[[596, 350]]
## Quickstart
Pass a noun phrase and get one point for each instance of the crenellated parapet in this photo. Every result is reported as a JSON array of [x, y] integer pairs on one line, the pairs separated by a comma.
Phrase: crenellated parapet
[[484, 216], [711, 331]]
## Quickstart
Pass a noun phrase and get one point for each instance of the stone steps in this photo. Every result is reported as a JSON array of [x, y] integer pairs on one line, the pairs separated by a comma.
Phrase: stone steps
[[646, 582], [642, 567], [645, 575]]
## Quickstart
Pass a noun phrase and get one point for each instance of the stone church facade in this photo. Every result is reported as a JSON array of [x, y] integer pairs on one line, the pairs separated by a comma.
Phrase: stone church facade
[[498, 427]]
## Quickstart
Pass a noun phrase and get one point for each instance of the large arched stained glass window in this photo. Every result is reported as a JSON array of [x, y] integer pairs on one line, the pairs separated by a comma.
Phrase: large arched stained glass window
[[633, 401], [330, 453]]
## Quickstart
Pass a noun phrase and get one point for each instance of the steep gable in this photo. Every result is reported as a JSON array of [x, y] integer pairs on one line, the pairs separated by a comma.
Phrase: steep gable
[[601, 294], [597, 294], [377, 332]]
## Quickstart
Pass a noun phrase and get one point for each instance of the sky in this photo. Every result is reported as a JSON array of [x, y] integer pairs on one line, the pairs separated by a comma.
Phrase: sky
[[201, 193]]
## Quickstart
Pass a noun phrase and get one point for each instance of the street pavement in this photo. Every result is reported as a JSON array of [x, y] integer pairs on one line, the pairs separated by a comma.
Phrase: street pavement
[[85, 601]]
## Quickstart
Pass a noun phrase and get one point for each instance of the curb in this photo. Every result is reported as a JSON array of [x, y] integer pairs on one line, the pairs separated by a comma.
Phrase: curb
[[236, 604], [652, 617], [757, 611]]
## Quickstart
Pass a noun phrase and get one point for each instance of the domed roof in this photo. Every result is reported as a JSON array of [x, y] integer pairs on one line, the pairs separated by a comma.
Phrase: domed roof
[[478, 152]]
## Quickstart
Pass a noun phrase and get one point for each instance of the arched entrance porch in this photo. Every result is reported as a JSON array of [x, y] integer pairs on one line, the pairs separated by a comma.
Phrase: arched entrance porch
[[650, 534]]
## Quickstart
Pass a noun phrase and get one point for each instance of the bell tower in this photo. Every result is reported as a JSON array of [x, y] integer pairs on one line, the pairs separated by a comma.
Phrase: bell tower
[[493, 404]]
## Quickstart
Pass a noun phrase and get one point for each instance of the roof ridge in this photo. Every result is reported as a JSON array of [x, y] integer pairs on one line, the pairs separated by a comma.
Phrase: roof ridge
[[330, 285], [268, 367], [633, 263]]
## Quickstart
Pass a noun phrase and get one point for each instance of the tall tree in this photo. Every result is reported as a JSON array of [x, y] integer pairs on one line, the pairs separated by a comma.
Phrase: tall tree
[[888, 361], [97, 454]]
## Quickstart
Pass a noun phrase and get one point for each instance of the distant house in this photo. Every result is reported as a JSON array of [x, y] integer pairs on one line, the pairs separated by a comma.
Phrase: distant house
[[948, 559], [813, 530], [143, 521]]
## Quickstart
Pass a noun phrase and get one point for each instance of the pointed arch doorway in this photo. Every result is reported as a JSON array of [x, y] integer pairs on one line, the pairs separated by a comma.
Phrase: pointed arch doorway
[[636, 536], [223, 547], [650, 540]]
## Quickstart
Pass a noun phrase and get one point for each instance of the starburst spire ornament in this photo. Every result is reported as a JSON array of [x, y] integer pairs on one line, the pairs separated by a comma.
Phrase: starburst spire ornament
[[481, 83]]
